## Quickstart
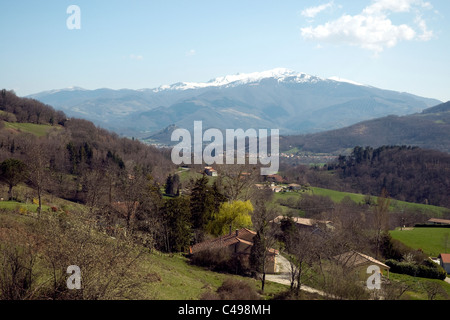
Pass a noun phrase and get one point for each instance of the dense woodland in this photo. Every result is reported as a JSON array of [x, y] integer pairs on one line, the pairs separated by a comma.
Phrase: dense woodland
[[74, 148], [407, 173]]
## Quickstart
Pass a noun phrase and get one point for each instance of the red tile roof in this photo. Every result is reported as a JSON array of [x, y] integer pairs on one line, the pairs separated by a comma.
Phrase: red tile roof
[[354, 259], [445, 257], [243, 235], [440, 221], [275, 177], [301, 221]]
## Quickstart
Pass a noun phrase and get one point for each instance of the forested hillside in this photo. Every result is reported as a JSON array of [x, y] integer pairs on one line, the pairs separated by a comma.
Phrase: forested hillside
[[407, 173], [429, 130], [72, 158]]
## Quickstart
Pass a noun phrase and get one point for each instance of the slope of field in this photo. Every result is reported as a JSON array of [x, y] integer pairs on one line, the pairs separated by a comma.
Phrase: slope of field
[[338, 196], [162, 276], [38, 130], [432, 241], [417, 287]]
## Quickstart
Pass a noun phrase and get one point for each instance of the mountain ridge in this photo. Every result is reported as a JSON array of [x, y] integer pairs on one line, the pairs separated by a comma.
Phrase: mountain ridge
[[290, 101], [428, 129]]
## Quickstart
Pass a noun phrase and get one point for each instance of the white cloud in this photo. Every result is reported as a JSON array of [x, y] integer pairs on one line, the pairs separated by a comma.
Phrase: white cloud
[[373, 29], [384, 6], [136, 57], [191, 53], [426, 34], [313, 11]]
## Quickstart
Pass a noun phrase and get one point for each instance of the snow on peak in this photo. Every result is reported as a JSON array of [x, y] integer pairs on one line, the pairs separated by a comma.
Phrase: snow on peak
[[280, 74], [338, 79]]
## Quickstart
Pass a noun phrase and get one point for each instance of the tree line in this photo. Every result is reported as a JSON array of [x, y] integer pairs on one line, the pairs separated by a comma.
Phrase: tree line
[[74, 160], [407, 173]]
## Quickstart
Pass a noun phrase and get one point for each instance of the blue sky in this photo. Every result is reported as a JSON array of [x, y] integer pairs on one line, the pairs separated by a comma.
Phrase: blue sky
[[401, 45]]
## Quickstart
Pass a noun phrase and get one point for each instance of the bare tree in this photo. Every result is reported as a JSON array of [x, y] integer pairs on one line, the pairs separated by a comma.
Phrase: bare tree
[[381, 219], [38, 167], [108, 268], [265, 239], [434, 290], [18, 257], [394, 290], [302, 248], [237, 181], [133, 187]]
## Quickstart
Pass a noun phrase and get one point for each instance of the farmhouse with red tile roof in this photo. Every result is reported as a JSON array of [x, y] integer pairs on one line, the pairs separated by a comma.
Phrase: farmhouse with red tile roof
[[445, 261], [239, 242]]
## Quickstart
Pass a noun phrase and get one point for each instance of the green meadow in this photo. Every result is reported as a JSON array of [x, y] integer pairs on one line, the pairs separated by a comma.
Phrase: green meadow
[[432, 241], [38, 130], [338, 196]]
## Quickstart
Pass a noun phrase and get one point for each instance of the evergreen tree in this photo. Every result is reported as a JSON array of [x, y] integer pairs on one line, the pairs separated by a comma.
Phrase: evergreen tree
[[256, 258], [169, 185], [177, 224], [172, 185], [202, 204]]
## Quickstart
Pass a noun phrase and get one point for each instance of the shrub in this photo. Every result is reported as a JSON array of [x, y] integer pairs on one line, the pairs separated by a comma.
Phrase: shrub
[[220, 260], [396, 250], [433, 271], [211, 259], [233, 289]]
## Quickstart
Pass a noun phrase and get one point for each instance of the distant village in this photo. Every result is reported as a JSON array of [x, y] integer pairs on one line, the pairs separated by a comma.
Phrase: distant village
[[274, 182]]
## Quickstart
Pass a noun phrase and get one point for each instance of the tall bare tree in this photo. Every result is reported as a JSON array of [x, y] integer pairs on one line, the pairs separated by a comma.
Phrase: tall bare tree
[[237, 181], [381, 218], [266, 237], [303, 253], [38, 167]]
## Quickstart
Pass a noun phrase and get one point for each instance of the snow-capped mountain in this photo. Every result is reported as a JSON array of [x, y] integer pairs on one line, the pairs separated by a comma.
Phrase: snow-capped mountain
[[279, 74], [291, 101], [335, 78]]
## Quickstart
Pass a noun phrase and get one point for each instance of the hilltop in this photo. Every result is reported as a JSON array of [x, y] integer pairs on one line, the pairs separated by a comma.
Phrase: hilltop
[[428, 129]]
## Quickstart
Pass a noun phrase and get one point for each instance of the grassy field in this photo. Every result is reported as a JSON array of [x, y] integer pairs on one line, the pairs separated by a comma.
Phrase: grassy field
[[178, 280], [21, 207], [418, 287], [188, 174], [338, 196], [38, 130], [430, 240]]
